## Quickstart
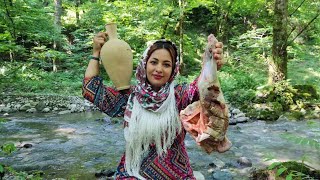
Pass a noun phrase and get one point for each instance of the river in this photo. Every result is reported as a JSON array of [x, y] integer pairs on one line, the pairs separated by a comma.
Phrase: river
[[78, 145]]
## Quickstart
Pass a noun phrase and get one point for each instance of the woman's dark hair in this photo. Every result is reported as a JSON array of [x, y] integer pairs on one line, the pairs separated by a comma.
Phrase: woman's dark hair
[[164, 45]]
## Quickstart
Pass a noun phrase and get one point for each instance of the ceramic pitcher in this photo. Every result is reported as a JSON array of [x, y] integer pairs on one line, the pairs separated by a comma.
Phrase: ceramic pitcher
[[116, 56]]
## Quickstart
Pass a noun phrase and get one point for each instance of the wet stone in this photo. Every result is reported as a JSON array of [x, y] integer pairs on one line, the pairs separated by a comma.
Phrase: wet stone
[[212, 165], [104, 173], [27, 146], [32, 110], [244, 162]]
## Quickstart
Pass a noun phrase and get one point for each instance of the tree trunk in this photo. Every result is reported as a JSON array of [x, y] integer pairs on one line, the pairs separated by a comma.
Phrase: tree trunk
[[78, 2], [57, 13], [12, 29], [181, 5], [278, 63], [57, 23], [45, 3]]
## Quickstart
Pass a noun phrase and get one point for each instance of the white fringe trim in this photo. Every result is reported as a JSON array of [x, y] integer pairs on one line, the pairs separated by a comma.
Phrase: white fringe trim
[[146, 127]]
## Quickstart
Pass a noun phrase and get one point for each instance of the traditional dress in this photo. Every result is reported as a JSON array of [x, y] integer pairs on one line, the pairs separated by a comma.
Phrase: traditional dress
[[173, 162]]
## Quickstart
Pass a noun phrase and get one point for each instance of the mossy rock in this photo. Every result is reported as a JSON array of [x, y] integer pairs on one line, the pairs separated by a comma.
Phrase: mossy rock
[[262, 174], [267, 115], [294, 115], [306, 91], [266, 111]]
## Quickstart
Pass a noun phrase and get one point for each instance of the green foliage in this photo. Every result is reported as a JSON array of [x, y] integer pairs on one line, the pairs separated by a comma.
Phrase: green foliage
[[35, 80], [244, 26], [304, 65], [3, 120], [1, 169], [293, 170], [94, 18], [7, 148]]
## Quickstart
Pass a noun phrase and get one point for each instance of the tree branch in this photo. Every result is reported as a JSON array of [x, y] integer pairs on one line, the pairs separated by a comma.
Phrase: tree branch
[[305, 27], [294, 28], [297, 8]]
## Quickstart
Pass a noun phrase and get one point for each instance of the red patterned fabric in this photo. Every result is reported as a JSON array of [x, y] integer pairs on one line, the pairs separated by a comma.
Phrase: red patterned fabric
[[175, 163]]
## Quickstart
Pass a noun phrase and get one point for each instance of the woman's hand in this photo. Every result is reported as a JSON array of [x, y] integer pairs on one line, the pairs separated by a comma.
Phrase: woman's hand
[[98, 41], [218, 54]]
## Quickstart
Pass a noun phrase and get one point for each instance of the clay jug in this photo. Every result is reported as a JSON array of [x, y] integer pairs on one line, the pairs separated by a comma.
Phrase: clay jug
[[116, 56]]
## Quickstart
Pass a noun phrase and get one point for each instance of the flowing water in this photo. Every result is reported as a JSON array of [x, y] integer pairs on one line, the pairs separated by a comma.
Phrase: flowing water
[[81, 144]]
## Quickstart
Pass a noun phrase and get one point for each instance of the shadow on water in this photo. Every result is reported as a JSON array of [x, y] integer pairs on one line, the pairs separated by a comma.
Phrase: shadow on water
[[78, 145]]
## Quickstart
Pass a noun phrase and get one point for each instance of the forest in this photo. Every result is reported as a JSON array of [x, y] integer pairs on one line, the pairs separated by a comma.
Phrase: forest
[[271, 51]]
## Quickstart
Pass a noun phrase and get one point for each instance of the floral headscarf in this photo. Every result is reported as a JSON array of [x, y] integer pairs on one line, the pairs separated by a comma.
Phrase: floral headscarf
[[146, 96]]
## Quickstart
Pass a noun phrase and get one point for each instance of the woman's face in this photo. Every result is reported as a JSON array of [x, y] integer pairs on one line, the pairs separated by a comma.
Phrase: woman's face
[[159, 68]]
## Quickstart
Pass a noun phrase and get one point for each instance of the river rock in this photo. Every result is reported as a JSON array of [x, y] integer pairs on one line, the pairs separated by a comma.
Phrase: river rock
[[17, 107], [81, 109], [317, 115], [31, 110], [27, 146], [64, 112], [217, 164], [104, 173], [45, 110], [25, 107], [72, 107], [236, 111], [6, 100], [282, 118], [40, 105], [242, 119], [7, 109], [33, 103], [244, 162], [241, 114], [234, 121], [198, 175], [2, 106]]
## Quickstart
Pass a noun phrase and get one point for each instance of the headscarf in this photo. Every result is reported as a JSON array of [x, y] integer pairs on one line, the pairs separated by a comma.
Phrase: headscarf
[[147, 97], [152, 116]]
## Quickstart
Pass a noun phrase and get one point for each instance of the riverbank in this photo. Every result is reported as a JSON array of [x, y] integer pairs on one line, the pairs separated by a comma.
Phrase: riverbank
[[59, 105]]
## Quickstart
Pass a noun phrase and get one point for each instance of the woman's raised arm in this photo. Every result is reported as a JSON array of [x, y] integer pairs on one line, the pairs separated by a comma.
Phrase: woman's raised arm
[[93, 66]]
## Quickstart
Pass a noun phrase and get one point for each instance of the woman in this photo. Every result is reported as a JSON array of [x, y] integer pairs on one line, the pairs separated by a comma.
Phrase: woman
[[153, 132]]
